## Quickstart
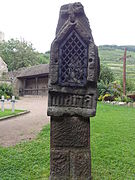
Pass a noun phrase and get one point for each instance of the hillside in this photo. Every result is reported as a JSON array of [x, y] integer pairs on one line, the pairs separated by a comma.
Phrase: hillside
[[110, 56]]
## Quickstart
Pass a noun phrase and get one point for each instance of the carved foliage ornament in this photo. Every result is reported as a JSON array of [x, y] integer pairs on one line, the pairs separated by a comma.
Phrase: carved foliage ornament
[[74, 65]]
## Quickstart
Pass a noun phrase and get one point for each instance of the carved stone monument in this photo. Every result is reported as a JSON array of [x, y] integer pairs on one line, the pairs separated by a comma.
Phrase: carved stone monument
[[74, 70]]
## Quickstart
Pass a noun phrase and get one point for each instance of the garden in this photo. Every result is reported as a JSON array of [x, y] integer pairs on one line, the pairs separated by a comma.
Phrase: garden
[[112, 148], [112, 138], [111, 89], [6, 91]]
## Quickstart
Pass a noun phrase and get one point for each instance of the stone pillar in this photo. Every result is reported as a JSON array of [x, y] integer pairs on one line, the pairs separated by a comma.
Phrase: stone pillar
[[70, 148], [74, 70]]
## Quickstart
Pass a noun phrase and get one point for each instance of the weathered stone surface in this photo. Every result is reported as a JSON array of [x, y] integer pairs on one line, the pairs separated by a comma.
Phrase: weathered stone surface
[[74, 70], [70, 132], [53, 73], [80, 165], [74, 64], [70, 164], [60, 163]]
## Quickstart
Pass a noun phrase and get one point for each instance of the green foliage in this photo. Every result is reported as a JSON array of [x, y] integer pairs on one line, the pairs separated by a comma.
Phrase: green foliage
[[130, 86], [43, 58], [105, 79], [112, 149], [107, 97], [117, 89], [100, 98], [6, 90], [102, 88], [123, 99], [110, 57], [18, 54], [108, 92], [106, 75], [106, 89]]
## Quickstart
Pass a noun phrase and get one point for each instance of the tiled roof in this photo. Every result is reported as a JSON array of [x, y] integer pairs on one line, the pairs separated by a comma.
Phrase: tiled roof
[[34, 70]]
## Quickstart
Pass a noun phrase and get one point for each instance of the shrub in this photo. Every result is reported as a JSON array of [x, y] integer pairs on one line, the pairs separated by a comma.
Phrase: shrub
[[100, 98], [126, 99], [106, 74], [107, 97], [6, 90], [103, 88], [130, 86], [123, 99], [131, 96]]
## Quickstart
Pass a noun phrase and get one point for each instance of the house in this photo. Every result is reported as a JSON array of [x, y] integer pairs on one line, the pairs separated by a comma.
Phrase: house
[[3, 72], [3, 67], [31, 80]]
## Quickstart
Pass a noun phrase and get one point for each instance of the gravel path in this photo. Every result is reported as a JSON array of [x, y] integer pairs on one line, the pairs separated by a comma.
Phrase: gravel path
[[25, 127]]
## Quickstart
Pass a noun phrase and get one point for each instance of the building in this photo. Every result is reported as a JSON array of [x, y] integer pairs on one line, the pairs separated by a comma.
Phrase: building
[[3, 67], [25, 81], [30, 80], [33, 80]]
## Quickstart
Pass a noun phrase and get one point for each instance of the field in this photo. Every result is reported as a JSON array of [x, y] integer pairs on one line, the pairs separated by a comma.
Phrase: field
[[112, 147], [111, 58]]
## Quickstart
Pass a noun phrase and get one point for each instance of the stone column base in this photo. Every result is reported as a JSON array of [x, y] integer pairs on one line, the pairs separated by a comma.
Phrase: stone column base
[[70, 157]]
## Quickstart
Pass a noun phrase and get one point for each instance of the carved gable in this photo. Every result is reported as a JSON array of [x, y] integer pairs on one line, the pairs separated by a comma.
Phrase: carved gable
[[74, 66]]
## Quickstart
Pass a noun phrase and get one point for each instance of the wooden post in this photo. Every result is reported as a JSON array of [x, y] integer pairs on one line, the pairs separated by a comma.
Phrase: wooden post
[[36, 84], [24, 86], [124, 72]]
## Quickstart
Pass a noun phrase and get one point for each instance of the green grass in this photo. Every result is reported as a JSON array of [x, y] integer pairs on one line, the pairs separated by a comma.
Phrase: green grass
[[113, 143], [26, 161], [8, 112], [112, 147]]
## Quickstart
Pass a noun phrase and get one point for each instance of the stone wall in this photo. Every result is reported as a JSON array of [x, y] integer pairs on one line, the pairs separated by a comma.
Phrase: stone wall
[[3, 67]]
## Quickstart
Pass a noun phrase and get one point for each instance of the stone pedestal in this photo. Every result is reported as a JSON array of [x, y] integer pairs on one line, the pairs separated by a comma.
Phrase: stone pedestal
[[70, 148]]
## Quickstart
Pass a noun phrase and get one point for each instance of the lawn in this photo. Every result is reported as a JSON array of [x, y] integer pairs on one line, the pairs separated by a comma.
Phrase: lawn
[[112, 147], [8, 112]]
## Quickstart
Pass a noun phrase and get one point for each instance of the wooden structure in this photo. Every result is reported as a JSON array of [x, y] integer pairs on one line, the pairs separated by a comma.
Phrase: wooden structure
[[33, 80], [124, 70]]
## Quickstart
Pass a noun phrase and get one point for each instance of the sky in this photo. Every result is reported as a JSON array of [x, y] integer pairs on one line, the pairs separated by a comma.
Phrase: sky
[[111, 21]]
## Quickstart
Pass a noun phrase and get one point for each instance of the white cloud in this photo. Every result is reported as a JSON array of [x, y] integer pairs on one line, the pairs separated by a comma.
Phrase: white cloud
[[112, 22]]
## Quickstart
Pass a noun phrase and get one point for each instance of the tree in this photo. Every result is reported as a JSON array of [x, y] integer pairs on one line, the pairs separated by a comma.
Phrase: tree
[[105, 81], [106, 74], [44, 58], [18, 54]]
